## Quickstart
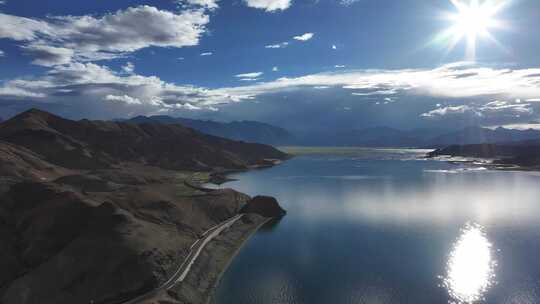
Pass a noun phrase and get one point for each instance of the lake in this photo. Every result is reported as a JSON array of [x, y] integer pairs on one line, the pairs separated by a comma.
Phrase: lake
[[382, 226]]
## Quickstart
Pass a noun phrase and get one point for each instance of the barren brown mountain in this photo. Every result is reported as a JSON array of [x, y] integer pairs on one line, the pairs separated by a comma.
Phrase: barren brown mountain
[[100, 212]]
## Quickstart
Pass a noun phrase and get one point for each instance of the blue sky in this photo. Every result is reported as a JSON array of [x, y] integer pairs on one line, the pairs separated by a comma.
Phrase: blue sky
[[349, 64]]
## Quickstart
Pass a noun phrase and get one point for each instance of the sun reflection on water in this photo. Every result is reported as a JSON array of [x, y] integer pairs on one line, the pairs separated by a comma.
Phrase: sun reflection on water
[[471, 267]]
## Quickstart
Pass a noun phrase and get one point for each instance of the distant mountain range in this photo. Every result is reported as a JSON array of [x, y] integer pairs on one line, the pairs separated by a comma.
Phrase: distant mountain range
[[525, 154], [252, 131], [419, 138], [248, 131]]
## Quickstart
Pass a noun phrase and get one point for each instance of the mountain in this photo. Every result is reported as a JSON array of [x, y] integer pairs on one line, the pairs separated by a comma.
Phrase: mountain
[[523, 154], [478, 135], [104, 212], [89, 144], [248, 131], [420, 138]]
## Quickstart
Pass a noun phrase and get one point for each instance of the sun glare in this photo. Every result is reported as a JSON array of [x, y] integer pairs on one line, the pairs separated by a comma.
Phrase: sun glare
[[473, 19], [470, 267]]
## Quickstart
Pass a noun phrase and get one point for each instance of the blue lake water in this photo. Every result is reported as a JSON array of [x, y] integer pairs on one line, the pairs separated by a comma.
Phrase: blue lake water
[[379, 226]]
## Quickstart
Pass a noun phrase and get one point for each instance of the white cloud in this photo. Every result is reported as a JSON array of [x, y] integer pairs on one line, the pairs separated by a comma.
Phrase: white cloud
[[123, 98], [451, 110], [520, 126], [8, 92], [22, 29], [269, 5], [250, 75], [48, 55], [255, 76], [275, 69], [109, 36], [348, 2], [91, 83], [129, 68], [494, 109], [453, 81], [207, 54], [339, 66], [277, 46], [2, 2], [515, 108], [304, 37], [2, 54], [334, 47], [209, 4]]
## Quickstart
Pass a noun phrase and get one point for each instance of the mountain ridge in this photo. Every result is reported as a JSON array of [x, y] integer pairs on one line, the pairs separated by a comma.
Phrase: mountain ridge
[[102, 212], [99, 144], [245, 130]]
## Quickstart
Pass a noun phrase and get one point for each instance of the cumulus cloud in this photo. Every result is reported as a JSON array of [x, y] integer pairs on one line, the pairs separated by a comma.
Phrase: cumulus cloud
[[304, 37], [269, 5], [275, 69], [22, 29], [207, 54], [45, 55], [91, 83], [123, 98], [109, 36], [483, 91]]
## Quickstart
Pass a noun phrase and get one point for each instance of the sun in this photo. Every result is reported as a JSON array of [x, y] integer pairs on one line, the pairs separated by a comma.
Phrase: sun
[[472, 20]]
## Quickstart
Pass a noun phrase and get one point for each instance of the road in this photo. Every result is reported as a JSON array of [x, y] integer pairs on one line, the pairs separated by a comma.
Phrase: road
[[194, 252]]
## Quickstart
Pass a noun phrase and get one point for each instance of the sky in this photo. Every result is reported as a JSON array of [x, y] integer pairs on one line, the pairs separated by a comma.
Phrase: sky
[[306, 65]]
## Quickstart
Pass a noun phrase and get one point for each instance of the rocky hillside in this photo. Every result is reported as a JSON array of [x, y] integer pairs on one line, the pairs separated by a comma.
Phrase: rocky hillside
[[100, 212], [98, 144]]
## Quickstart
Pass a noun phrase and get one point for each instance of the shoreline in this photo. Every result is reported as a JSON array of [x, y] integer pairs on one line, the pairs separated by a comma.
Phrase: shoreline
[[488, 163], [201, 283], [242, 243]]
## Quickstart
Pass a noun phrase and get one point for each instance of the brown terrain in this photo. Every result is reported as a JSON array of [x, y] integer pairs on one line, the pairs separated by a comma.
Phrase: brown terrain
[[102, 212]]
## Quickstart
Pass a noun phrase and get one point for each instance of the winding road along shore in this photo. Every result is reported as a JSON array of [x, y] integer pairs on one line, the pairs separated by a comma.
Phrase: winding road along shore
[[185, 267]]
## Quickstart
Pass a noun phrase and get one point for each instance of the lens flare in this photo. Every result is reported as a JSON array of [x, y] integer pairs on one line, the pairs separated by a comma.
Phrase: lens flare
[[472, 20], [471, 267]]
